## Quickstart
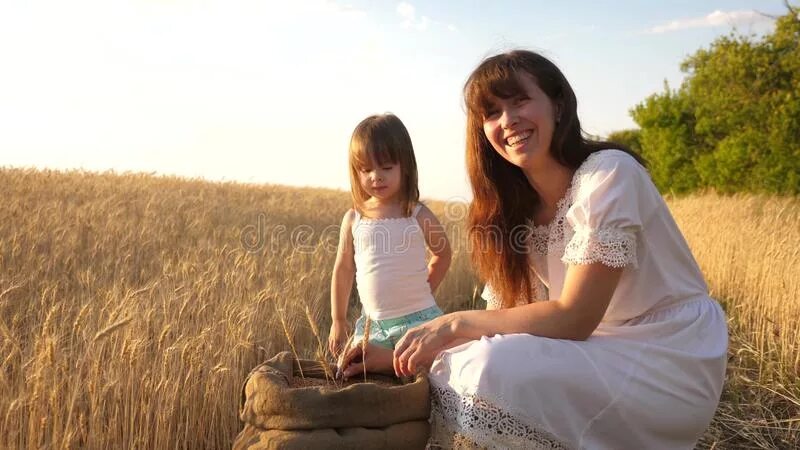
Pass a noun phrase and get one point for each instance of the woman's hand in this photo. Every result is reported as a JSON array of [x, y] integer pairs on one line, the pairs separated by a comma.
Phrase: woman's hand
[[378, 359], [338, 337], [420, 345]]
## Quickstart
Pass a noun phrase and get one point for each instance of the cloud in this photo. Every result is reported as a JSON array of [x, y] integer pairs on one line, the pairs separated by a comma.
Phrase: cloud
[[406, 10], [408, 13], [715, 19]]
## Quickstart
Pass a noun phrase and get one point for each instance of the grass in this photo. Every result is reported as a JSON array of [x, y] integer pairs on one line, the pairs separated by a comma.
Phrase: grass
[[132, 307]]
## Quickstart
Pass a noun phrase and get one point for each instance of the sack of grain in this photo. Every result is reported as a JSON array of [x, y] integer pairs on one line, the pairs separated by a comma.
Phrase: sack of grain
[[295, 404]]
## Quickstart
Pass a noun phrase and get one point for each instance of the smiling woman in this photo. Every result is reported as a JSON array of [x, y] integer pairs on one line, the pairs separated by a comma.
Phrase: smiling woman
[[624, 348]]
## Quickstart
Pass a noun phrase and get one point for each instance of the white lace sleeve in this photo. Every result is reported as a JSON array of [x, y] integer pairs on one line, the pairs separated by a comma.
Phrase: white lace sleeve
[[613, 247], [612, 198], [492, 302]]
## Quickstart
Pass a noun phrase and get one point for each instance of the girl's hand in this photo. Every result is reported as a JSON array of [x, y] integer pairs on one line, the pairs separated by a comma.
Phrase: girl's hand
[[338, 337], [378, 359], [419, 346]]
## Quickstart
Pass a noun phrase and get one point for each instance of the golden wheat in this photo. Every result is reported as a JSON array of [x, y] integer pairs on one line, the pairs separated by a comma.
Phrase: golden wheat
[[747, 247], [132, 307]]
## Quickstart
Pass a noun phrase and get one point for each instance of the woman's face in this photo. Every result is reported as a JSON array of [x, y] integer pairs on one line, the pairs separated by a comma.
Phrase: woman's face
[[520, 128]]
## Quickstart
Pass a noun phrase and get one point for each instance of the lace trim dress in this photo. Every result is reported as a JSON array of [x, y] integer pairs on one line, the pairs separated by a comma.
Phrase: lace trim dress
[[651, 374]]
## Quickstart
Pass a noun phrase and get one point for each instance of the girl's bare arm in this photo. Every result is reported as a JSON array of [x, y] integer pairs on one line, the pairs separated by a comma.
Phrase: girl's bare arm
[[438, 244], [344, 270]]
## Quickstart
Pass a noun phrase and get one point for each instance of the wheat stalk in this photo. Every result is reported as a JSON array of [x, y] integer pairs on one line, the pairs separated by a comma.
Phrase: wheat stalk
[[9, 289], [342, 354], [320, 348], [364, 341], [111, 328], [291, 341]]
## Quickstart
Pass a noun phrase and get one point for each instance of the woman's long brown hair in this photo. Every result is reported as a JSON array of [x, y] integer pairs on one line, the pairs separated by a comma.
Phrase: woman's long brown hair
[[503, 200]]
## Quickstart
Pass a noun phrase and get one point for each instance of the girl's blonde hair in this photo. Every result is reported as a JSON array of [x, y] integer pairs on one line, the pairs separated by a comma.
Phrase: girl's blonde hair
[[383, 138]]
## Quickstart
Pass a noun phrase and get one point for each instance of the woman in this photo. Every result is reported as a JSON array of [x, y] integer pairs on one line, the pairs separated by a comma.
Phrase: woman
[[628, 351]]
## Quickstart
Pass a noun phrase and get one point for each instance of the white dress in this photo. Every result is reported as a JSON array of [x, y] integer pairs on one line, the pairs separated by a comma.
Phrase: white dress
[[651, 374]]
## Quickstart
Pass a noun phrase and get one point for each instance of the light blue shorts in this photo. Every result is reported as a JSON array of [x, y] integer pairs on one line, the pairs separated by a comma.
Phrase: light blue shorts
[[387, 332]]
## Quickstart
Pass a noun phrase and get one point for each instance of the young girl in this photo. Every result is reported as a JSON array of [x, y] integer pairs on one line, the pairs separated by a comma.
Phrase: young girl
[[383, 240]]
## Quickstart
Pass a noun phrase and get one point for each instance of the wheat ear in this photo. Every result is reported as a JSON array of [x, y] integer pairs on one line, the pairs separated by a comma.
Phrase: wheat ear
[[364, 341], [320, 347], [291, 343]]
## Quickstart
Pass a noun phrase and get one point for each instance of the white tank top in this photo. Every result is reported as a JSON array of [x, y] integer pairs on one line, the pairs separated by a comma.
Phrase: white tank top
[[391, 271]]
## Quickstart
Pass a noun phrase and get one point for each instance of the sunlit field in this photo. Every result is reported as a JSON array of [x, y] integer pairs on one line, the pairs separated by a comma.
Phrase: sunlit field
[[132, 307], [749, 250]]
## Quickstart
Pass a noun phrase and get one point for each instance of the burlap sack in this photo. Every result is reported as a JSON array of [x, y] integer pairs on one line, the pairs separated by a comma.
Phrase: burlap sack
[[409, 435], [362, 415]]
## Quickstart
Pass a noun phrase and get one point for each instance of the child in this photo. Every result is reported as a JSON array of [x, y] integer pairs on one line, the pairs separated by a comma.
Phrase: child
[[383, 238]]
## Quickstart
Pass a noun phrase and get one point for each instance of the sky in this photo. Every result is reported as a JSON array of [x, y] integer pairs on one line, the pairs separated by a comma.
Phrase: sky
[[270, 91]]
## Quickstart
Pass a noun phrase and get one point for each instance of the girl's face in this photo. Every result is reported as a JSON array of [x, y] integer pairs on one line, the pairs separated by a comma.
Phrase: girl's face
[[381, 181], [520, 128]]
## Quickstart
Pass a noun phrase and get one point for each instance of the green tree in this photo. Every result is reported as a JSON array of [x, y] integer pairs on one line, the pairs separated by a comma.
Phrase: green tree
[[734, 123], [668, 140], [628, 138]]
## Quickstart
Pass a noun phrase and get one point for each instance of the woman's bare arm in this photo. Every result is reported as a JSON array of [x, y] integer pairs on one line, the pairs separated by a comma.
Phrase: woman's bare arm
[[588, 289]]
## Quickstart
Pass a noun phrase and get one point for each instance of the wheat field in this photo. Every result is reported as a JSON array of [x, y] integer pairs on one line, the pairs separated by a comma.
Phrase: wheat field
[[132, 307]]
